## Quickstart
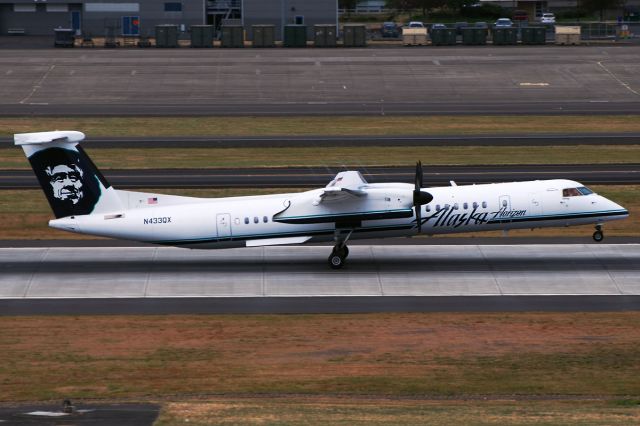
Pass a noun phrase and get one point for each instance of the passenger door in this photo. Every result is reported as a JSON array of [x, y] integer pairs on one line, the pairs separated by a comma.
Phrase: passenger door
[[223, 221]]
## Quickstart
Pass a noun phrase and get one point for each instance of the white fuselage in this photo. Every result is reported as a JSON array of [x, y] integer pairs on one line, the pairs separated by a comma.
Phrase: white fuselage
[[239, 221]]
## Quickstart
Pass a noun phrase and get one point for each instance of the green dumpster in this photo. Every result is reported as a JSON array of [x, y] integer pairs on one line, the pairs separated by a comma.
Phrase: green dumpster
[[166, 36], [443, 37], [295, 36], [474, 36], [201, 36], [263, 35], [537, 35], [324, 36], [232, 36], [505, 36], [354, 35]]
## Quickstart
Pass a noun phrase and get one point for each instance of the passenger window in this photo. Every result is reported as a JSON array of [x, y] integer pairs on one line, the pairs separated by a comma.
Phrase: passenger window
[[246, 220], [465, 205], [504, 203], [255, 219], [428, 208], [446, 206], [455, 206], [437, 207], [484, 204], [265, 219], [475, 205]]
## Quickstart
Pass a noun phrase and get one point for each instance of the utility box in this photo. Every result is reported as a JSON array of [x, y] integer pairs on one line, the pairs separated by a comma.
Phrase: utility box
[[534, 35], [295, 36], [414, 36], [505, 36], [568, 35], [443, 37], [65, 37], [232, 36], [201, 36], [474, 36], [264, 35], [324, 36], [354, 35], [166, 36]]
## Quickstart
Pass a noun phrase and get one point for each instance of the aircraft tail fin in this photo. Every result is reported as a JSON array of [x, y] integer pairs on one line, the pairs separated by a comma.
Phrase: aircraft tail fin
[[72, 183]]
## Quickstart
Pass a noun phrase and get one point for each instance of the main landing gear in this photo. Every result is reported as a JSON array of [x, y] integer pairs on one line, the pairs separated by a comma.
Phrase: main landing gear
[[598, 236], [340, 251]]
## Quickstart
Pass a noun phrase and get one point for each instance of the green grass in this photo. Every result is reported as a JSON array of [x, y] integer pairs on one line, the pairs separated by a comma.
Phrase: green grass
[[150, 158], [325, 125]]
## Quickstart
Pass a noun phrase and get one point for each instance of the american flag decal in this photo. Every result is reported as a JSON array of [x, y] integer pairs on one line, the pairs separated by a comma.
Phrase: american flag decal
[[153, 200]]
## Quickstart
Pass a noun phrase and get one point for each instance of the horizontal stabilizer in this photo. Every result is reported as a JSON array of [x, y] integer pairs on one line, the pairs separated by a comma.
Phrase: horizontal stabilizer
[[64, 136], [277, 241]]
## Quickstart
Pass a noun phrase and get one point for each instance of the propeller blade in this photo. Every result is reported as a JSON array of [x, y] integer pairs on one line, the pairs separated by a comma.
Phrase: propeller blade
[[418, 179], [418, 217]]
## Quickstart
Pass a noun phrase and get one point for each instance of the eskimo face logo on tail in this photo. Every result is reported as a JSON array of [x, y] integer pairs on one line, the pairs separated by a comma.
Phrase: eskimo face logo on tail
[[68, 182]]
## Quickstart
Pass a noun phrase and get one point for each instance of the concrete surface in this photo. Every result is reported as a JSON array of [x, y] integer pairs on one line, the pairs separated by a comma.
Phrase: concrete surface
[[302, 271], [456, 80]]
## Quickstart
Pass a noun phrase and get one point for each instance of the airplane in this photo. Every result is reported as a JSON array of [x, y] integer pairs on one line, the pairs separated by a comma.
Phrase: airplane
[[347, 208]]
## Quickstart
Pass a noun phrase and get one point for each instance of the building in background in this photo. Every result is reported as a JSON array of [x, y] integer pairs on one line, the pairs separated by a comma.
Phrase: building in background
[[133, 18]]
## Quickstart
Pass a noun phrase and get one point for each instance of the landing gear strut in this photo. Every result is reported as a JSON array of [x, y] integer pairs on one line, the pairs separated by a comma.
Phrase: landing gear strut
[[340, 251], [598, 236]]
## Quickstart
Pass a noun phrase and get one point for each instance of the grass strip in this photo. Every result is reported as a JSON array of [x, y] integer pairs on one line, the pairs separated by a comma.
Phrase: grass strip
[[24, 214], [389, 412], [151, 158], [440, 354], [324, 125]]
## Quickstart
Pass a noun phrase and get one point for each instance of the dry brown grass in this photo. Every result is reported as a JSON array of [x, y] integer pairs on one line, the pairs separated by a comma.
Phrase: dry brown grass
[[341, 125], [373, 354]]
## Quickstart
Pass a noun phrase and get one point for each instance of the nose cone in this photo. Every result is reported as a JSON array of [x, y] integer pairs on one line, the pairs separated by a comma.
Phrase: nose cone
[[620, 211]]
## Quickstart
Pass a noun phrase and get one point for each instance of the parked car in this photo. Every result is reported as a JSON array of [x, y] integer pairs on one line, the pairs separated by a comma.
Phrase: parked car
[[503, 23], [415, 24], [481, 25], [437, 27], [459, 26], [548, 18], [520, 15], [389, 29]]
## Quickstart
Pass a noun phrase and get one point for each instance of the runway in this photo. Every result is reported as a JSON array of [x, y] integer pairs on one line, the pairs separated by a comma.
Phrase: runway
[[305, 177], [459, 80], [352, 141], [297, 279]]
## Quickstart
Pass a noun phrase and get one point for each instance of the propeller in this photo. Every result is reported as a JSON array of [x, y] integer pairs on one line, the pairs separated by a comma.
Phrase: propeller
[[420, 198]]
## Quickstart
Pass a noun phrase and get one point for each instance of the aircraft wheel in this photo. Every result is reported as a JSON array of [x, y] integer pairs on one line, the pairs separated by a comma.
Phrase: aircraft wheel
[[598, 236], [336, 261]]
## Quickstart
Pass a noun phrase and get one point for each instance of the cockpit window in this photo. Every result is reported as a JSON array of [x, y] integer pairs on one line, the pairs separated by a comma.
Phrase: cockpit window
[[585, 191], [571, 192]]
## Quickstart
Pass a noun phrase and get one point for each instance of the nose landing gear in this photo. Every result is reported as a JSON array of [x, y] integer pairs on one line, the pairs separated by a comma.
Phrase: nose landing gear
[[598, 236], [340, 251]]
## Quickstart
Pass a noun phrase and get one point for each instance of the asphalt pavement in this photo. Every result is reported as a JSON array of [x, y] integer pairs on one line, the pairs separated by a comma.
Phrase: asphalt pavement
[[554, 80], [305, 177]]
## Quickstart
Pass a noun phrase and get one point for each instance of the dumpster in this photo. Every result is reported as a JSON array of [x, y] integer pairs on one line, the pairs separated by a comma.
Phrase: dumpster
[[505, 36], [201, 36], [474, 36], [65, 37], [567, 35], [324, 36], [166, 36], [295, 36], [444, 36], [414, 36], [232, 36], [354, 35], [534, 35], [264, 35]]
